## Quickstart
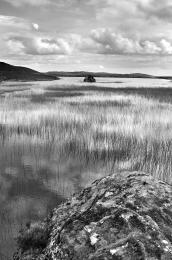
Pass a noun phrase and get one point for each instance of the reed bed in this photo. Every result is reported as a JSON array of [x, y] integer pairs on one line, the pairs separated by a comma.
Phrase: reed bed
[[124, 131], [56, 140]]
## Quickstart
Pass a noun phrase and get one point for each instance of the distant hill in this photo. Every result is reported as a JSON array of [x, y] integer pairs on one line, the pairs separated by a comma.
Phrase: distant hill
[[97, 74], [104, 75], [10, 72]]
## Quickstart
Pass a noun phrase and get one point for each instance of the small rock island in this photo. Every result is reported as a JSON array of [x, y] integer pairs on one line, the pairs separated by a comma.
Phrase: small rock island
[[125, 216], [90, 79]]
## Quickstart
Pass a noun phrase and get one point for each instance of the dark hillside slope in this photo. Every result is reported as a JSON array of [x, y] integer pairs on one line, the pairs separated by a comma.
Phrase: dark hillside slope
[[10, 72]]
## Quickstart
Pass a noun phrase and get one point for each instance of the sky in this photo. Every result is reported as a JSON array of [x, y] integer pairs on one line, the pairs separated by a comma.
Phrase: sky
[[120, 36]]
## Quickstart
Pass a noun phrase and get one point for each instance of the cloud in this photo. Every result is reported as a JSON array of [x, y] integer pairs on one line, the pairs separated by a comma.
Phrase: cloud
[[166, 46], [161, 9], [101, 67], [109, 42], [99, 41], [35, 26], [40, 46], [12, 21], [142, 9], [28, 2], [10, 24], [139, 18], [135, 27]]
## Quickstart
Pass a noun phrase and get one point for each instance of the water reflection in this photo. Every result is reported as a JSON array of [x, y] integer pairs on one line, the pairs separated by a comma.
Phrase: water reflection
[[33, 180], [25, 189]]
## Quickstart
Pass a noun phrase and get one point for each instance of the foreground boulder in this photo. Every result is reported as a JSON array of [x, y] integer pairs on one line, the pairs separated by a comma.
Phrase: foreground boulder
[[89, 78], [126, 216]]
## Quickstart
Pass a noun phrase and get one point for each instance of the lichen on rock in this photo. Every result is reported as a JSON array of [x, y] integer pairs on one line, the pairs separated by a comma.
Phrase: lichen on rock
[[125, 216]]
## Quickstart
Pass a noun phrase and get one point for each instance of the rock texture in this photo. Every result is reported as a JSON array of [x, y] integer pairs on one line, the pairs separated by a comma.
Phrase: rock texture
[[126, 216]]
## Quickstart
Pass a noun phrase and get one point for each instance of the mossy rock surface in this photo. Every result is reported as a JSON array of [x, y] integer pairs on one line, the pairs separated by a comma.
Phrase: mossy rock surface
[[126, 216]]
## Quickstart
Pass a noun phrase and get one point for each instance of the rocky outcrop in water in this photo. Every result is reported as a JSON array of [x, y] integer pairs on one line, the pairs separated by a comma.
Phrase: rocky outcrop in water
[[126, 216], [90, 79]]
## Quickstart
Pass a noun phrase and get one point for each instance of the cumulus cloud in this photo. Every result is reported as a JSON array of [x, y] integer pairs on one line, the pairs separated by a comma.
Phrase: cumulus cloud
[[140, 18], [35, 26], [108, 42], [166, 46], [100, 41], [40, 46], [134, 27]]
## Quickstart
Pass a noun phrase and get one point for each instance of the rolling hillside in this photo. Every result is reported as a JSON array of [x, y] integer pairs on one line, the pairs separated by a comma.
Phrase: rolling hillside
[[10, 72]]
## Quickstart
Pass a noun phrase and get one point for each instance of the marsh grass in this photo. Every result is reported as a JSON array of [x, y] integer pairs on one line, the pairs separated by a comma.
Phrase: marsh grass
[[126, 131], [74, 136]]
